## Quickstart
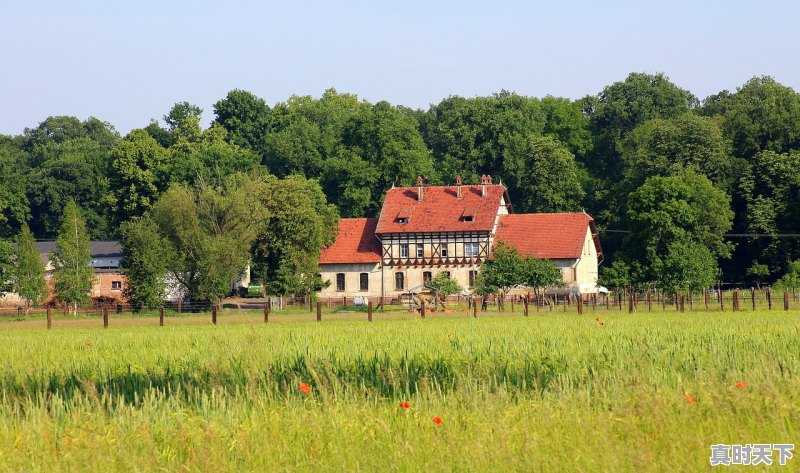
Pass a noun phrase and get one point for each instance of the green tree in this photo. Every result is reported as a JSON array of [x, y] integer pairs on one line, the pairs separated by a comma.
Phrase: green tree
[[790, 280], [687, 266], [543, 173], [664, 210], [14, 207], [29, 280], [291, 237], [182, 117], [504, 271], [146, 258], [444, 285], [540, 273], [208, 231], [135, 166], [71, 271], [622, 106], [246, 118], [6, 267], [616, 275], [665, 147], [762, 115]]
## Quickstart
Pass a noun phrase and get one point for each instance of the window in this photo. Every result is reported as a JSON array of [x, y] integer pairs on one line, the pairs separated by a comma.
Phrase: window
[[116, 285], [404, 250], [420, 251], [340, 281], [471, 250], [472, 275], [426, 277], [363, 281], [402, 220], [443, 251], [467, 218], [399, 281]]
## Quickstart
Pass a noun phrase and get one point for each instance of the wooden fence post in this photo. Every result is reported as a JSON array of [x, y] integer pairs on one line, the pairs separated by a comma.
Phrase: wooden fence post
[[525, 302], [105, 317], [369, 311], [422, 309], [474, 309], [580, 304], [753, 297], [49, 319], [630, 304], [785, 299], [681, 303], [214, 314], [705, 297], [267, 308], [768, 294], [512, 304], [161, 316], [180, 306], [736, 299], [319, 311]]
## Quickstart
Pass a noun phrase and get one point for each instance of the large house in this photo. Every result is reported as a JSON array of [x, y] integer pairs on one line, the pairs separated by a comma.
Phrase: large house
[[108, 281], [425, 230]]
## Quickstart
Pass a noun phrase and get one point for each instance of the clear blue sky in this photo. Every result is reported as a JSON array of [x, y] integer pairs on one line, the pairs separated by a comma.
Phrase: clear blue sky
[[127, 62]]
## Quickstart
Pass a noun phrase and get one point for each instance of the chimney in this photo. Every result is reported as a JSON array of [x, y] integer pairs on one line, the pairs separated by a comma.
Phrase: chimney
[[484, 181], [458, 186], [419, 188]]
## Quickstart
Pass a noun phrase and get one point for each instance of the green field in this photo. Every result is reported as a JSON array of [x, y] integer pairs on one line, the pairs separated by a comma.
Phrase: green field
[[550, 392]]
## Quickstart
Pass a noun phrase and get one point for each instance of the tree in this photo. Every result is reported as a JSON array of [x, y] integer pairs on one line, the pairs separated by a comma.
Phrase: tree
[[182, 114], [135, 166], [617, 275], [246, 118], [291, 237], [502, 272], [688, 266], [622, 106], [71, 271], [208, 231], [790, 280], [540, 273], [443, 285], [665, 147], [146, 257], [762, 115], [6, 266], [664, 210], [542, 173], [14, 207], [29, 280]]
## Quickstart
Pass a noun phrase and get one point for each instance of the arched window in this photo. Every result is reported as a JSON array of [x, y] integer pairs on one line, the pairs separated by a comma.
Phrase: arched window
[[340, 281]]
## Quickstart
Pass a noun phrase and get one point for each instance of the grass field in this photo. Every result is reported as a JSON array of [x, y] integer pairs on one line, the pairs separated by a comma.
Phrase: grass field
[[549, 392]]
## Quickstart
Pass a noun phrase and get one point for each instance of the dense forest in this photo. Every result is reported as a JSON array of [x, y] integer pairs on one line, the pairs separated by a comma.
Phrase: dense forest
[[675, 183]]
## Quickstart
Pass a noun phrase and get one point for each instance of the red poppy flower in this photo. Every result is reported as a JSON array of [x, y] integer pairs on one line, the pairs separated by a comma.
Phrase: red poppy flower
[[305, 388], [740, 385], [690, 399], [405, 405], [88, 344], [437, 420], [597, 319]]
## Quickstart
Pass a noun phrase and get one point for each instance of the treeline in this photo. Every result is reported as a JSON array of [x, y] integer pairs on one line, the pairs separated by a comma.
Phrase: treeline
[[668, 177]]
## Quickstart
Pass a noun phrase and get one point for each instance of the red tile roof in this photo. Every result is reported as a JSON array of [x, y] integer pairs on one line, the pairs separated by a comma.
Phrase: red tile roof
[[355, 243], [440, 209], [551, 236]]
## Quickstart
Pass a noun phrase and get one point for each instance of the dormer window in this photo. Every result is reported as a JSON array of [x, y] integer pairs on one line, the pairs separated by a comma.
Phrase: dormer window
[[467, 218], [402, 219]]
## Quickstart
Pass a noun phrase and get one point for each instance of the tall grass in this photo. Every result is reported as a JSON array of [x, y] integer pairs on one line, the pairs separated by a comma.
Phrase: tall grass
[[556, 392]]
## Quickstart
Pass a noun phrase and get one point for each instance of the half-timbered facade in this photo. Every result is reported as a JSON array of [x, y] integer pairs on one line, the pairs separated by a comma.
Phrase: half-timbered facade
[[425, 230]]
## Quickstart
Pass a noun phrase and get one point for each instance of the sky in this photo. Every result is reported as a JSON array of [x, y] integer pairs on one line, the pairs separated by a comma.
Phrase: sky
[[127, 62]]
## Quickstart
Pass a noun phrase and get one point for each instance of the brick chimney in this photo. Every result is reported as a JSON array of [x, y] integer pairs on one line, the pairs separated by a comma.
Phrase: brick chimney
[[484, 181], [420, 189], [458, 186]]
